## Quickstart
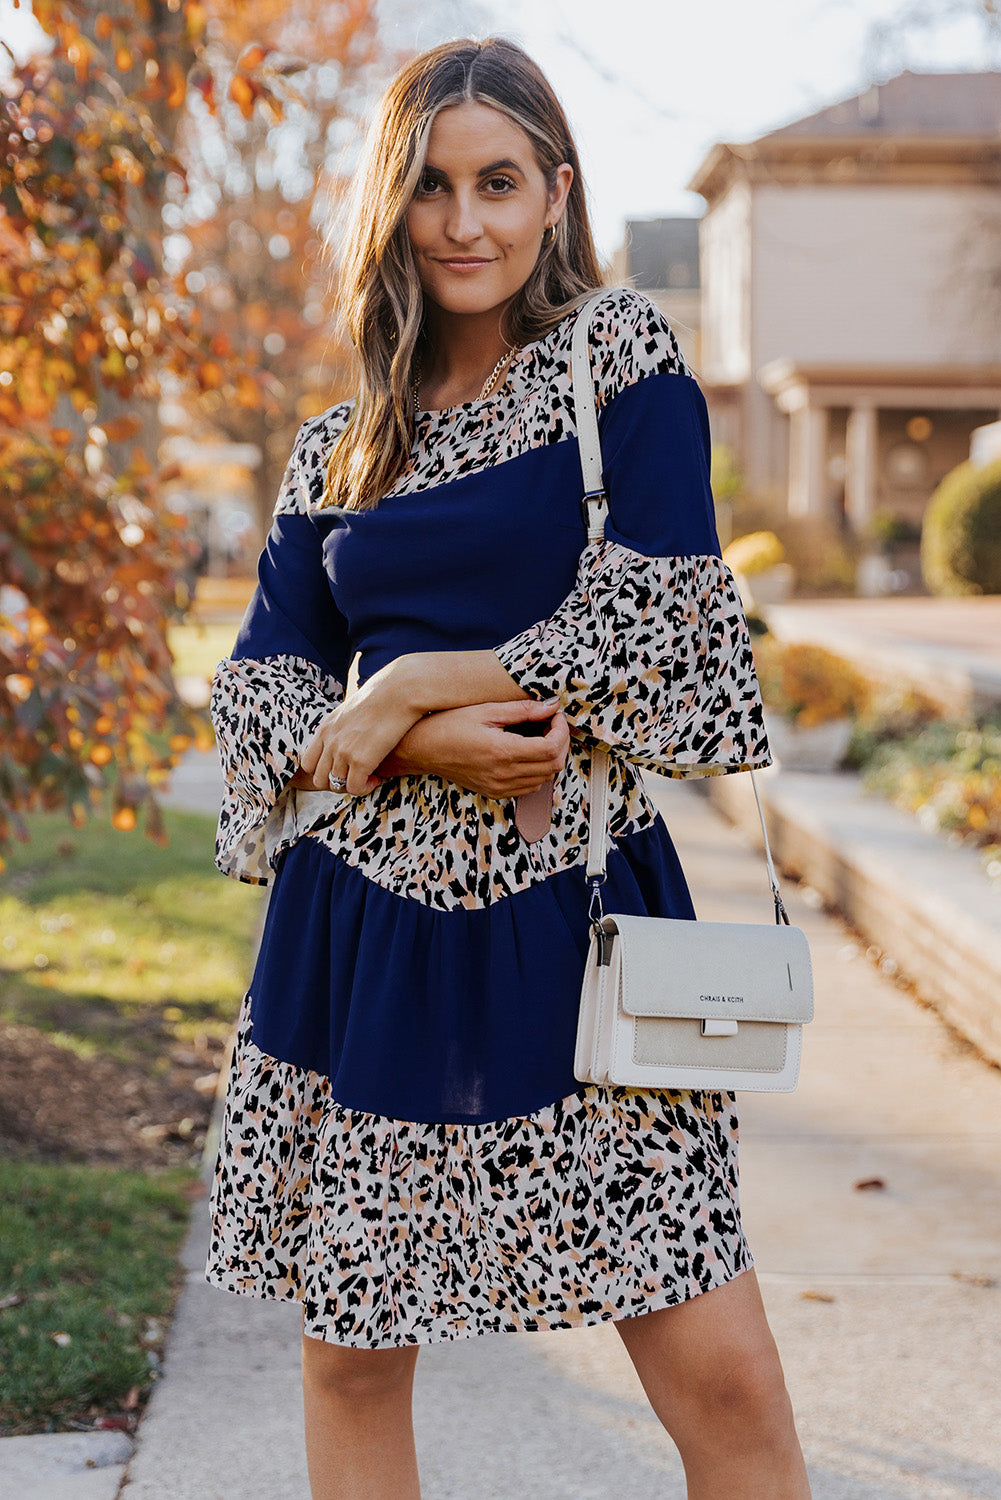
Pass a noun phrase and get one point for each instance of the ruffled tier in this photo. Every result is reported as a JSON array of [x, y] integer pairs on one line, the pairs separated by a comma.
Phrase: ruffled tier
[[598, 1207], [463, 1016]]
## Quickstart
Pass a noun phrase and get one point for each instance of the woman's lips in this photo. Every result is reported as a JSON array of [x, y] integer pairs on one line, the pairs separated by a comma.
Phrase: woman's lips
[[464, 265]]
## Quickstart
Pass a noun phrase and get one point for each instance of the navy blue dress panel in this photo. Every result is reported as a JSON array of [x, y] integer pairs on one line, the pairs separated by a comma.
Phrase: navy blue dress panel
[[655, 450], [292, 610], [458, 1017], [459, 565], [464, 564]]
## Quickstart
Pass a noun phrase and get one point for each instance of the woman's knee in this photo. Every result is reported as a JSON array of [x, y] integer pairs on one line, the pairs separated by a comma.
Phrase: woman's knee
[[742, 1385], [356, 1374], [711, 1376], [736, 1403]]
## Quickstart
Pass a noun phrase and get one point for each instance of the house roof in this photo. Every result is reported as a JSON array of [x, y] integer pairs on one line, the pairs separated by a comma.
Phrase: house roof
[[911, 104], [921, 122]]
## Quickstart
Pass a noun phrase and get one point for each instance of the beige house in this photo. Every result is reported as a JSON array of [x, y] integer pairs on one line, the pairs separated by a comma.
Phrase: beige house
[[850, 270]]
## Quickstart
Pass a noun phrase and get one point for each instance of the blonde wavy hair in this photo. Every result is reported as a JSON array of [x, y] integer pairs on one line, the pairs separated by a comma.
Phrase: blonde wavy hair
[[377, 289]]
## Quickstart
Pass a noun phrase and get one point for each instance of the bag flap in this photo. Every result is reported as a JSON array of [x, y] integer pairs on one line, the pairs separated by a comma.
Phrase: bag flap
[[747, 971]]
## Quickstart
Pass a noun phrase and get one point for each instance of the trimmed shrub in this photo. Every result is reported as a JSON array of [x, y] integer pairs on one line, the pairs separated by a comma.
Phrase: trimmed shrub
[[961, 534], [806, 683], [754, 553]]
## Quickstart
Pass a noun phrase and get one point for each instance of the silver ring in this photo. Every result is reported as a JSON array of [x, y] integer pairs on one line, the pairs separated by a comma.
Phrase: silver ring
[[337, 783]]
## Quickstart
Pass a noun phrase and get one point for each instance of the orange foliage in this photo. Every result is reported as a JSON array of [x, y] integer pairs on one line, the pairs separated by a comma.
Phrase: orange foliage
[[807, 683], [92, 566]]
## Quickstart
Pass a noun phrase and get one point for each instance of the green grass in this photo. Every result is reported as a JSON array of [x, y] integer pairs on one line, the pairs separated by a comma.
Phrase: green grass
[[115, 948], [109, 939], [88, 1270]]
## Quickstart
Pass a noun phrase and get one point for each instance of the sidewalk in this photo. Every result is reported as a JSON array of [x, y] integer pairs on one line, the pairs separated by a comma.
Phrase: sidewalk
[[885, 1303], [950, 648]]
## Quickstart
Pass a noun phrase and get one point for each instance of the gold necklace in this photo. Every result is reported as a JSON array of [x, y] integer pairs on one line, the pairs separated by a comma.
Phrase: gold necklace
[[484, 389]]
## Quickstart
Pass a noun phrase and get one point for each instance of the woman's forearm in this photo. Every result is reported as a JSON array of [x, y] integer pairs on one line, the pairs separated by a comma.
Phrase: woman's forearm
[[408, 757], [435, 680]]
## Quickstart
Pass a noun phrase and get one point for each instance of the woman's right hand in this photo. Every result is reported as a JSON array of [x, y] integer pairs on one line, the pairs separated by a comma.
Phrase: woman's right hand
[[471, 747]]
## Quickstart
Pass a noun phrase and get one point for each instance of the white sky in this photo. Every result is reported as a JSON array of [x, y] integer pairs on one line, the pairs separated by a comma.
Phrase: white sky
[[649, 85], [686, 73]]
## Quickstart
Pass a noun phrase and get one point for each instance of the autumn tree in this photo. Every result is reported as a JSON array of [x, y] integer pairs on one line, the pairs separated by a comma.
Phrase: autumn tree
[[253, 218], [137, 126], [262, 196], [92, 564]]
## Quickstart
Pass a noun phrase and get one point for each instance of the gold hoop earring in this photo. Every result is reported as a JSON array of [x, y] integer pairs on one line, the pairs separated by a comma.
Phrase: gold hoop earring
[[551, 231]]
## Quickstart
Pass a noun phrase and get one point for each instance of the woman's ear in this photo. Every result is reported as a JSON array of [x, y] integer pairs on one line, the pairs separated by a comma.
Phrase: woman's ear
[[559, 193]]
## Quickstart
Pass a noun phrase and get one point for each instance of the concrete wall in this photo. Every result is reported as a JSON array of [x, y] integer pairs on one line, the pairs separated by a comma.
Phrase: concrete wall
[[725, 273], [891, 274]]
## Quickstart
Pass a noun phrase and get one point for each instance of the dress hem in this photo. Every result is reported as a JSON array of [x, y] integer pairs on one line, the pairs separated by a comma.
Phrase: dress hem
[[447, 1331]]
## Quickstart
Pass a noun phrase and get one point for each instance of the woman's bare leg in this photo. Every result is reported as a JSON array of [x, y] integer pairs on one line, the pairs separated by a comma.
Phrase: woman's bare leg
[[712, 1372], [358, 1407]]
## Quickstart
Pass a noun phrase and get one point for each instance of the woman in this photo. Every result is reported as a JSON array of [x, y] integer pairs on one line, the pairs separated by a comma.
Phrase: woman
[[406, 1151]]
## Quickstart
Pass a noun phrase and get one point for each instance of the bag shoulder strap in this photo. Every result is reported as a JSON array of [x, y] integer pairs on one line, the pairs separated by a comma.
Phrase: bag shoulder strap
[[596, 502]]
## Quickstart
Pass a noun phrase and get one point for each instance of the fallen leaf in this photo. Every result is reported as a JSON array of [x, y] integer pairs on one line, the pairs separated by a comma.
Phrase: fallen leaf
[[975, 1278]]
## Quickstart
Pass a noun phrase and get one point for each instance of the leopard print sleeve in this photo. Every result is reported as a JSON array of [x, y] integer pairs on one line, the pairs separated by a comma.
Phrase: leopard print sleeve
[[650, 652], [287, 671]]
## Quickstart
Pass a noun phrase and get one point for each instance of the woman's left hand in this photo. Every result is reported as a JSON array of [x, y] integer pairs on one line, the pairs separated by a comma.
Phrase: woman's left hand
[[358, 735]]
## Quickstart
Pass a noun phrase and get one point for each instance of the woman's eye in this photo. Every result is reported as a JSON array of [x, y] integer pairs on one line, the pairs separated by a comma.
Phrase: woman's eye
[[428, 187]]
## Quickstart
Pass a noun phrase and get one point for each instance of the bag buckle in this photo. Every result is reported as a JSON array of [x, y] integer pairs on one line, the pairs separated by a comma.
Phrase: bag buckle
[[585, 509], [595, 916], [781, 915]]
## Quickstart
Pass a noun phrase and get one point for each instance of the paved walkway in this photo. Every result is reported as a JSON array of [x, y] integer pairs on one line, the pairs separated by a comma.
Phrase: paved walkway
[[950, 647], [196, 783], [971, 625], [885, 1302]]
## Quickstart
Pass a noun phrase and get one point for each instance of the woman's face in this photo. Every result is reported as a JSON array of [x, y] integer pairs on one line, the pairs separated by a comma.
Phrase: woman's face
[[477, 218]]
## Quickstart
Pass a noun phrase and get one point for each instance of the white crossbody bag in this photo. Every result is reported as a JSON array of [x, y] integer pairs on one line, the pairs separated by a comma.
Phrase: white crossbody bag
[[671, 1002]]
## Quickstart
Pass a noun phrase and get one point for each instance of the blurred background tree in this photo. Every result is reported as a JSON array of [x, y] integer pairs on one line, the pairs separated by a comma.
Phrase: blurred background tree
[[96, 325], [249, 229]]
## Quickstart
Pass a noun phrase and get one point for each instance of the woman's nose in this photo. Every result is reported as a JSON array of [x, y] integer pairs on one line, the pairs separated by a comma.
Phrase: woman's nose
[[464, 222]]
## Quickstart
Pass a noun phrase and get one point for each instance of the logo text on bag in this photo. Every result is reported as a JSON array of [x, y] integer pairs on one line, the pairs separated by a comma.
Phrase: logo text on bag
[[728, 999]]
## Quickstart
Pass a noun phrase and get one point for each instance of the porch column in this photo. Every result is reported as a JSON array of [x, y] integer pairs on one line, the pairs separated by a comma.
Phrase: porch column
[[808, 461], [860, 464]]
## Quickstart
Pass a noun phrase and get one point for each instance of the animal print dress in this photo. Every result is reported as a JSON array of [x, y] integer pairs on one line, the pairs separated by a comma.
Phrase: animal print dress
[[406, 1151]]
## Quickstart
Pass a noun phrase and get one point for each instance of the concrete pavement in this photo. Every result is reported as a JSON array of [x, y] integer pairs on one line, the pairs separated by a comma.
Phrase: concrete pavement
[[64, 1465], [885, 1302]]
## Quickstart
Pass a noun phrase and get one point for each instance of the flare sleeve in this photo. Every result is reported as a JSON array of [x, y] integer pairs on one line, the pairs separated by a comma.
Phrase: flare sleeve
[[650, 652], [287, 671]]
